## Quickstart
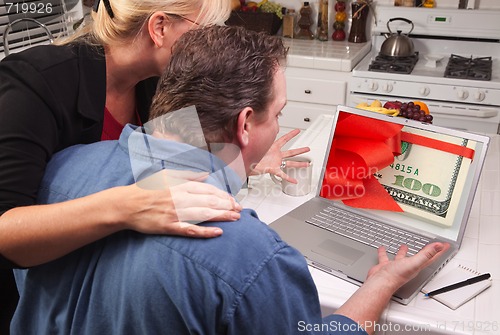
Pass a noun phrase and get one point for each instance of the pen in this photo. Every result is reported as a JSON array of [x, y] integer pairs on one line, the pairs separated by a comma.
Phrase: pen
[[459, 284]]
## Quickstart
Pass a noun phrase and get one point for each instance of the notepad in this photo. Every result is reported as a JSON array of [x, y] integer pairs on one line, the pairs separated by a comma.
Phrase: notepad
[[456, 298]]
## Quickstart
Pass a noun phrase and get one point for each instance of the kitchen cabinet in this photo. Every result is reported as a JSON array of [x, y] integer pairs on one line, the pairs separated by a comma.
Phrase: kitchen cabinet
[[311, 93]]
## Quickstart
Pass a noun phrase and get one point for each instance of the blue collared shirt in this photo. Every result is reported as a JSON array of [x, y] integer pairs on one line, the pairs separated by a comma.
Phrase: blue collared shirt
[[248, 281]]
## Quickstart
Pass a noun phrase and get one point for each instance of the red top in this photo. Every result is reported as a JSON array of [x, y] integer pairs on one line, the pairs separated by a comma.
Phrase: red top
[[111, 129]]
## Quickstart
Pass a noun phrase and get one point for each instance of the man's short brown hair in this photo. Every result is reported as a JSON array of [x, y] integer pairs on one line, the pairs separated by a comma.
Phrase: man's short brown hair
[[220, 70]]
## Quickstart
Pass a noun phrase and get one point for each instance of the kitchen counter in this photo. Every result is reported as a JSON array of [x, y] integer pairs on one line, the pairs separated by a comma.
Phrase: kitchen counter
[[327, 55], [480, 249]]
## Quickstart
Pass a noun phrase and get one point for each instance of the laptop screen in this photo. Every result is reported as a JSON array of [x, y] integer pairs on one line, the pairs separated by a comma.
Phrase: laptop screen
[[412, 174]]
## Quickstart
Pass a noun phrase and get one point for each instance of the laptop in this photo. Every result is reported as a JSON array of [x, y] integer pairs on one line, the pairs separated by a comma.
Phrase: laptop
[[386, 180]]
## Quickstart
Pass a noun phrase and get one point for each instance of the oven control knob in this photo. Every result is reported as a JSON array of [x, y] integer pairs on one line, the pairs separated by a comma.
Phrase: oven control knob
[[387, 87], [479, 96], [373, 86], [462, 94], [424, 91]]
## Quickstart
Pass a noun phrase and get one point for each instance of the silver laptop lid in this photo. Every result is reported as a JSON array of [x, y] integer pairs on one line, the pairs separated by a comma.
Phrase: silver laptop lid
[[408, 173]]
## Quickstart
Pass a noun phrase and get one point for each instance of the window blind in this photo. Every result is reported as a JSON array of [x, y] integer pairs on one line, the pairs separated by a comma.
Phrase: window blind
[[56, 15]]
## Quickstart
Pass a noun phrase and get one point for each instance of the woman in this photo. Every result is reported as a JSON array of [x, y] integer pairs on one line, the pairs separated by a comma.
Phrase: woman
[[85, 90]]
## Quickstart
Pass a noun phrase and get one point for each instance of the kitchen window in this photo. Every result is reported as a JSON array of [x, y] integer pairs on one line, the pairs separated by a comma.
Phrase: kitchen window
[[31, 21]]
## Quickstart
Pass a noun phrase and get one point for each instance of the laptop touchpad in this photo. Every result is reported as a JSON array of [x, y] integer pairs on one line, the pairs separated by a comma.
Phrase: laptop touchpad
[[338, 252]]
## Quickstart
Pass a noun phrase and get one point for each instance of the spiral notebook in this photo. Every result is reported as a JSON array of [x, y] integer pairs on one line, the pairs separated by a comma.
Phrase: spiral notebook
[[456, 298]]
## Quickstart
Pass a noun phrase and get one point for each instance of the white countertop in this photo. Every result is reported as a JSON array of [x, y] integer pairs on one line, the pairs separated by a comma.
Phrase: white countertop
[[480, 249], [325, 55]]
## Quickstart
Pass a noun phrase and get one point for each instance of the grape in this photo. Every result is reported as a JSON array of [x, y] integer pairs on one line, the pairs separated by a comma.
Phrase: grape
[[411, 111], [272, 7]]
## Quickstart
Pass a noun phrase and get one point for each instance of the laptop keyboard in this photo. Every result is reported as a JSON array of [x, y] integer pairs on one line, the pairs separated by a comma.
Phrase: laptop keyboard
[[369, 232]]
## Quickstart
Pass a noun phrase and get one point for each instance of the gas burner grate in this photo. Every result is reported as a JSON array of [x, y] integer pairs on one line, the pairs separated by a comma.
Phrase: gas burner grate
[[469, 68], [402, 65]]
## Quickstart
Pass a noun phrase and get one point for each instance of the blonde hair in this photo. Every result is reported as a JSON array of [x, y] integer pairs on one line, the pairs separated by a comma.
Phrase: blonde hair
[[130, 17]]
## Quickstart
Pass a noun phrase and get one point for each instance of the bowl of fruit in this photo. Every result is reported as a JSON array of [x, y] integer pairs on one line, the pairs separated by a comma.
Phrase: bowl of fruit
[[258, 16], [414, 110]]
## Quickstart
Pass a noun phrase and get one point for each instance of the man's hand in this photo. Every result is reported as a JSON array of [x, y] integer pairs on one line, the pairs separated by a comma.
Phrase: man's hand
[[402, 269], [367, 304], [271, 162]]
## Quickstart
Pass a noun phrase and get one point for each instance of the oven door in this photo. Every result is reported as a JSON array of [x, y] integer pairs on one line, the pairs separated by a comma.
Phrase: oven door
[[469, 117]]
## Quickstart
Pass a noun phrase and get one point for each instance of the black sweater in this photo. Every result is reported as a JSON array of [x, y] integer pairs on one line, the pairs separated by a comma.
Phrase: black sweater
[[51, 97]]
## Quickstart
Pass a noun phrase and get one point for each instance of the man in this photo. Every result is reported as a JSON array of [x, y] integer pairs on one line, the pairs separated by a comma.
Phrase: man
[[248, 281]]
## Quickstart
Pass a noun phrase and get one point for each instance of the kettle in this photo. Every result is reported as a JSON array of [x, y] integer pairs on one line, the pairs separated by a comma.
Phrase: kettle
[[398, 45]]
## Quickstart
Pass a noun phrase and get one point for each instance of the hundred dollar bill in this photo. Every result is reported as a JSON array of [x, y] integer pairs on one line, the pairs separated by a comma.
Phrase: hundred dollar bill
[[425, 181]]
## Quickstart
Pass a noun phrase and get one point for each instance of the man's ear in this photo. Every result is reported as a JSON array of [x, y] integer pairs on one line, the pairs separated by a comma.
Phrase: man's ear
[[244, 126], [156, 28]]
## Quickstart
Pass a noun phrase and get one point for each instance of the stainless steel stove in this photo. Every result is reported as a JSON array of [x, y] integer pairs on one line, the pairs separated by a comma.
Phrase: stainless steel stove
[[456, 68]]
